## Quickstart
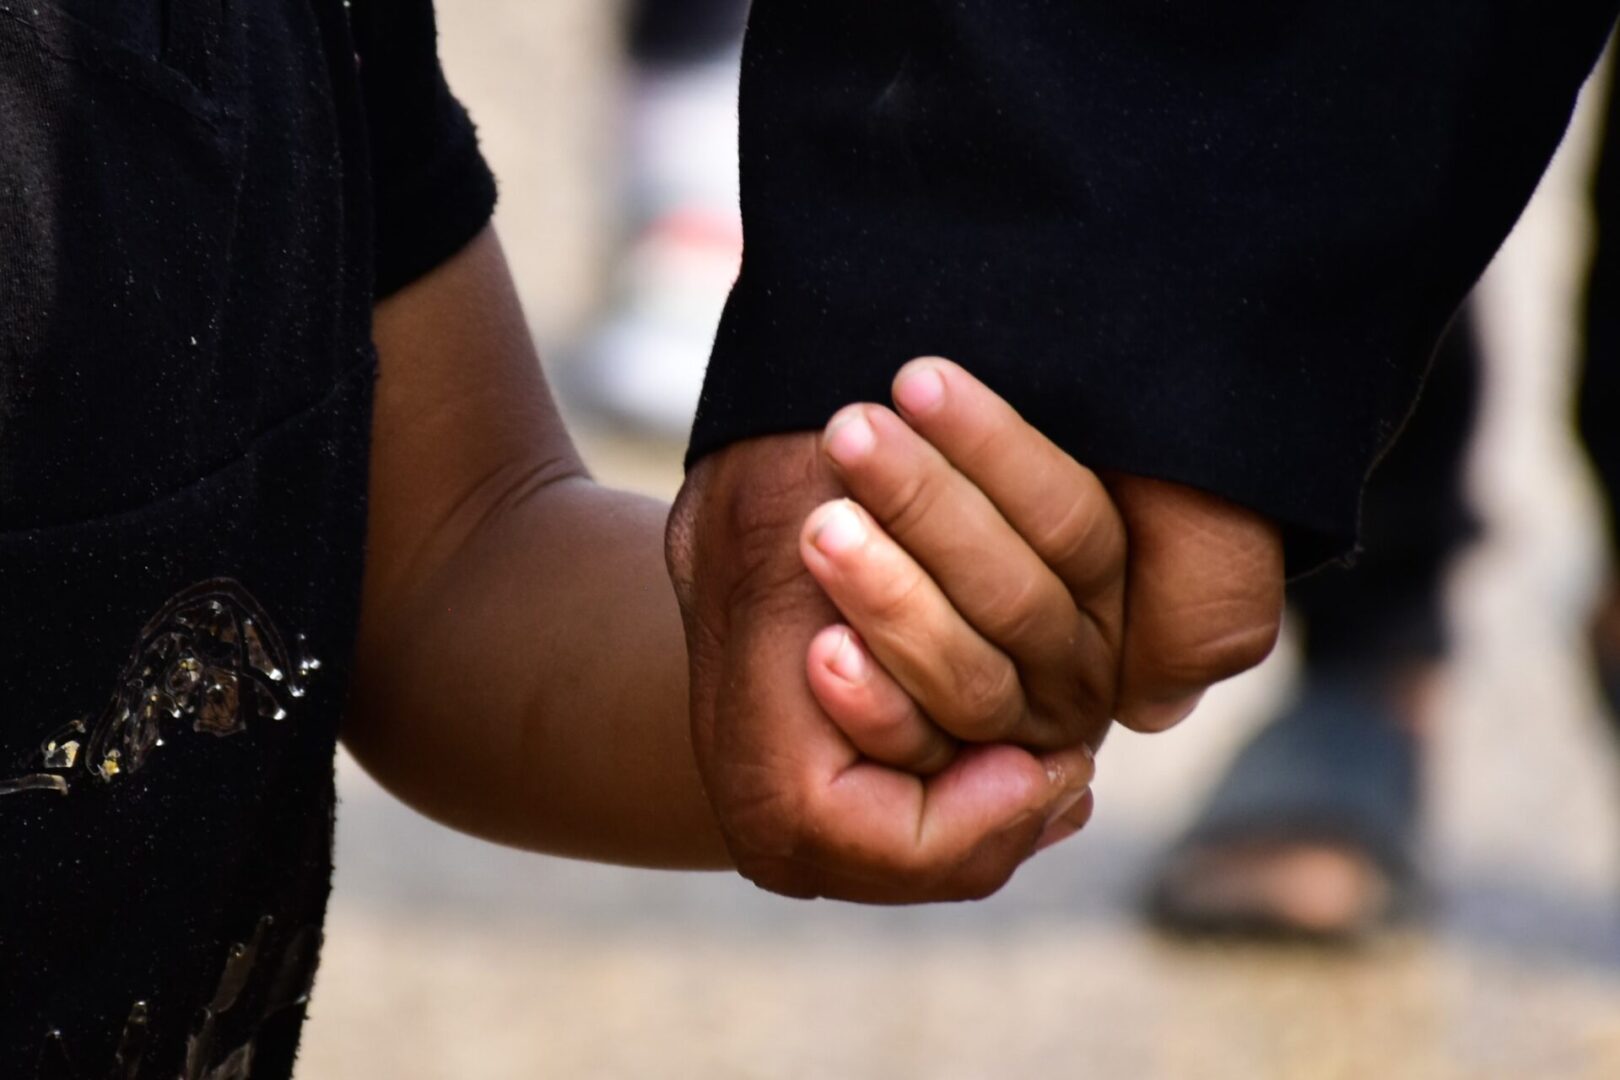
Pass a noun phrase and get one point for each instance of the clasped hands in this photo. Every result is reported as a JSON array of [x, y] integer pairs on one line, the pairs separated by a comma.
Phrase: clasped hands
[[908, 635]]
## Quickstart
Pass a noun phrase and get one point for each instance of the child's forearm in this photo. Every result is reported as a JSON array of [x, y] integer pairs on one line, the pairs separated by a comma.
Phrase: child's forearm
[[520, 669], [533, 690]]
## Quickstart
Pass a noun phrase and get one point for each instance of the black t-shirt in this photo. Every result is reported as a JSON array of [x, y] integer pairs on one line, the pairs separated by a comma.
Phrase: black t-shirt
[[199, 203]]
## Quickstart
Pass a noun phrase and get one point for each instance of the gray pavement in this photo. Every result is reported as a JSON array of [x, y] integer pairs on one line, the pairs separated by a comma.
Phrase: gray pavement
[[448, 958]]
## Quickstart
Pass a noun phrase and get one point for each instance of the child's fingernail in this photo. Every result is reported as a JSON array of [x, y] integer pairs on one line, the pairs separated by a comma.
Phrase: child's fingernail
[[920, 391], [848, 662], [849, 437], [840, 529]]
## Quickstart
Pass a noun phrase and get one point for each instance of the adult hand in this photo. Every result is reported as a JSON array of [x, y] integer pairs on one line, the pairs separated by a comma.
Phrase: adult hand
[[1204, 597]]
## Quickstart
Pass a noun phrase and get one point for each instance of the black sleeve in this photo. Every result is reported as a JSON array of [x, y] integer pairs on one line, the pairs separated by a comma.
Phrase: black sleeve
[[431, 189], [1213, 243]]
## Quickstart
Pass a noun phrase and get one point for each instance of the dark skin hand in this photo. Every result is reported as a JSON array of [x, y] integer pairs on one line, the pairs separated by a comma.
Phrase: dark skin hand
[[521, 672], [1170, 590]]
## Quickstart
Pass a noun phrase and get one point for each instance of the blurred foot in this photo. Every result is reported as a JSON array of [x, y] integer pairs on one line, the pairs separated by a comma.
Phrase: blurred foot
[[1311, 833], [1273, 889], [643, 365]]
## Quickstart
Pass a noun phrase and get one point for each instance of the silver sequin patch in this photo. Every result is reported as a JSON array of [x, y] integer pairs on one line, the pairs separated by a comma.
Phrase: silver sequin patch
[[273, 969], [210, 660]]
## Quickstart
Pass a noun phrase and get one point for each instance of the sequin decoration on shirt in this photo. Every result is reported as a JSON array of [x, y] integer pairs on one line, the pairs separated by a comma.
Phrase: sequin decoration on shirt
[[210, 656], [261, 978]]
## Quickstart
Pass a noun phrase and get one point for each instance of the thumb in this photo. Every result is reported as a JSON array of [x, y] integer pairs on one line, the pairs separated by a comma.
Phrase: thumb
[[1204, 597]]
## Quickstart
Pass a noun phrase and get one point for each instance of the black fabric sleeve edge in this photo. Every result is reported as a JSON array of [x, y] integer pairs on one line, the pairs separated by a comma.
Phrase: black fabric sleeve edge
[[450, 207]]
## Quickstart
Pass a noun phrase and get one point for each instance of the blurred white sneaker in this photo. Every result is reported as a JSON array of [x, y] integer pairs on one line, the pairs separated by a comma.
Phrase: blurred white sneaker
[[643, 365]]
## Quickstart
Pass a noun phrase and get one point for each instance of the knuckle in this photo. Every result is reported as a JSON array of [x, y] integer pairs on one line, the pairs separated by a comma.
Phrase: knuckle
[[910, 503], [886, 725], [1083, 528], [987, 699], [894, 728], [897, 597], [1250, 647], [892, 737], [1024, 612], [1226, 647]]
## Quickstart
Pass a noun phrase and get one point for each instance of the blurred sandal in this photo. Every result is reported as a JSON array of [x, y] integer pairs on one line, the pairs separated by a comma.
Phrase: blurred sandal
[[1312, 832]]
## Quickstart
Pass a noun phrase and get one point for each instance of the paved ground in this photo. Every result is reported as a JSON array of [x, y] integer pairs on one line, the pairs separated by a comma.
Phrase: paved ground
[[452, 959]]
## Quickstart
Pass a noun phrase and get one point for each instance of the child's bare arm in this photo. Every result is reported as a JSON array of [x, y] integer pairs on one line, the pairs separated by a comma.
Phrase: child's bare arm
[[520, 673]]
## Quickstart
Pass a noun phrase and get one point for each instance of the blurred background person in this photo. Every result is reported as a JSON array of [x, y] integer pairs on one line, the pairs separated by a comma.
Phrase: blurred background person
[[642, 365], [1314, 827]]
